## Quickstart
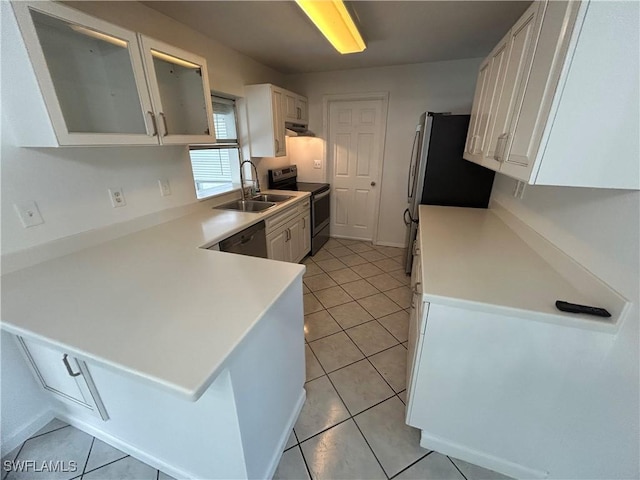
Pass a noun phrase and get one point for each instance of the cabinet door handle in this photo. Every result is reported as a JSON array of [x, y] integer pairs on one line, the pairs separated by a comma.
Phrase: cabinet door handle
[[164, 123], [277, 145], [298, 112], [70, 371], [153, 122], [414, 293], [501, 144], [416, 248], [304, 222]]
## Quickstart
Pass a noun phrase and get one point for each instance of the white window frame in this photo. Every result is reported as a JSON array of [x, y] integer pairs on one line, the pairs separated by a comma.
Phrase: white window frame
[[221, 144]]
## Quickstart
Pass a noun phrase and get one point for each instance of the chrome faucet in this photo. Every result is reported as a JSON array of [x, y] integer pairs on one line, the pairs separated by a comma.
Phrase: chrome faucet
[[256, 181]]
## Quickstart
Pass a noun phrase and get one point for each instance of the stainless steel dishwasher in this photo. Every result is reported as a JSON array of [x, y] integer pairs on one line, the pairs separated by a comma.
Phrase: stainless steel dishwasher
[[250, 241]]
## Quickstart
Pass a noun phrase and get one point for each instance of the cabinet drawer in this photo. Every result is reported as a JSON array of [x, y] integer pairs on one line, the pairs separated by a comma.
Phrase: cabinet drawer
[[304, 206], [279, 219]]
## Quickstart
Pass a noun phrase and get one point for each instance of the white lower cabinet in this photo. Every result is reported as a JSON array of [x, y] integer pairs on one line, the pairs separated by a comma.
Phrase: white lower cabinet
[[65, 377], [288, 233], [276, 245]]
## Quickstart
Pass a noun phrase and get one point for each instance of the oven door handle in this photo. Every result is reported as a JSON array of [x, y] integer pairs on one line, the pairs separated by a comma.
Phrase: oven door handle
[[321, 196]]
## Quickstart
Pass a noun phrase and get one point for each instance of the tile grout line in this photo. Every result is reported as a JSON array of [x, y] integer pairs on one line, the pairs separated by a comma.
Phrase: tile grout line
[[109, 463], [86, 462], [412, 464], [456, 467], [46, 433], [14, 459], [304, 459], [370, 448]]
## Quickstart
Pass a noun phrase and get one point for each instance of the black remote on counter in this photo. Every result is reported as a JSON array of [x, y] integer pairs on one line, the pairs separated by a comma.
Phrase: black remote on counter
[[575, 308]]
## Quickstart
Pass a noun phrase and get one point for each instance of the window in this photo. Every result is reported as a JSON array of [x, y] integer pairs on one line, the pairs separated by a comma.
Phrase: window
[[216, 167]]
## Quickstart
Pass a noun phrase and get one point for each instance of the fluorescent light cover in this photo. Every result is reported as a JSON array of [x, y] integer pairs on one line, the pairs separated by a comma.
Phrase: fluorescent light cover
[[333, 20], [171, 59], [100, 36]]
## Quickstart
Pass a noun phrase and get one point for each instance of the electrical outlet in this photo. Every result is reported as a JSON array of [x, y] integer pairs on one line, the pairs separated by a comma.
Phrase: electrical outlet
[[518, 189], [165, 187], [29, 214], [317, 164], [117, 197]]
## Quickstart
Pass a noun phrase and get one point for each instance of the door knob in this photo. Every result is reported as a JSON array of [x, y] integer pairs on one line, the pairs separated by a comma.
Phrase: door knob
[[373, 184]]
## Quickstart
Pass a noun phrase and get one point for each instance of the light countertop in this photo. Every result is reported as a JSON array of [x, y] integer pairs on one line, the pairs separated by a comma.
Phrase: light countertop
[[152, 304], [471, 257]]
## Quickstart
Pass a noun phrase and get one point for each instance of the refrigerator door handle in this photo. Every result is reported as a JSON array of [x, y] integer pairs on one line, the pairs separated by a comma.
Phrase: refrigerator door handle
[[410, 220], [412, 166]]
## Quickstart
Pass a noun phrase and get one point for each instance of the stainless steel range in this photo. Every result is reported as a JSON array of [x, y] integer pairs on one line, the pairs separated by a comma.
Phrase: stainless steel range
[[287, 179]]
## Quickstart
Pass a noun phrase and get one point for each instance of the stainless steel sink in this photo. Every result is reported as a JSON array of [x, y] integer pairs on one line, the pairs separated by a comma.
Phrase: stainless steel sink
[[271, 197], [246, 205]]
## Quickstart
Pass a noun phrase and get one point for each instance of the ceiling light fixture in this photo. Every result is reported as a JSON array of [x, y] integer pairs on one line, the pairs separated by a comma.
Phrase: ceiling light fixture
[[333, 20]]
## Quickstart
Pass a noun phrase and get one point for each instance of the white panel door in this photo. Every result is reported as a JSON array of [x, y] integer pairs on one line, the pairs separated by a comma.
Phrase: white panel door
[[355, 161]]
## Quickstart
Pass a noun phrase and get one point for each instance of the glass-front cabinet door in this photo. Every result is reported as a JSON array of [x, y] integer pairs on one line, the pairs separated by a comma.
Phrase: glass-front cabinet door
[[179, 86], [91, 76]]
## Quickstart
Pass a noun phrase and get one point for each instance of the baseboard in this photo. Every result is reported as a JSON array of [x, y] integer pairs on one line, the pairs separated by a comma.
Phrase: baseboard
[[482, 459], [127, 448], [382, 244], [391, 244], [285, 436], [26, 432]]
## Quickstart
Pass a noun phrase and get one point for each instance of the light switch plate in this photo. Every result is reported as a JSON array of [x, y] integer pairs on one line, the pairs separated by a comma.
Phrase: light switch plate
[[117, 197], [29, 214], [165, 187], [317, 164]]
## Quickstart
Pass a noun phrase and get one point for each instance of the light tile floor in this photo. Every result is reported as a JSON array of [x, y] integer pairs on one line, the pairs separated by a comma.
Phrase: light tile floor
[[356, 297], [93, 459], [356, 300]]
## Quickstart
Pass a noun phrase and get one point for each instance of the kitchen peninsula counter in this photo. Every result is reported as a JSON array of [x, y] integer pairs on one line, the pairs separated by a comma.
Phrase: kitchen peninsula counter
[[198, 355]]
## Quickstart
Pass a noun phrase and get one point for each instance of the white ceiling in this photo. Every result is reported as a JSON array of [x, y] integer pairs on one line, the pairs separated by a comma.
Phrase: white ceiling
[[278, 34]]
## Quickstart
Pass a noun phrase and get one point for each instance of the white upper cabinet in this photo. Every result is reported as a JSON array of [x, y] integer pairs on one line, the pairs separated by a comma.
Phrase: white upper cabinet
[[179, 86], [568, 65], [268, 109], [265, 104], [89, 82], [295, 108]]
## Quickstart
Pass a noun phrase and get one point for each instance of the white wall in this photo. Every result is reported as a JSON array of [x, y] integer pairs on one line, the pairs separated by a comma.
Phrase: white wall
[[601, 230], [413, 89]]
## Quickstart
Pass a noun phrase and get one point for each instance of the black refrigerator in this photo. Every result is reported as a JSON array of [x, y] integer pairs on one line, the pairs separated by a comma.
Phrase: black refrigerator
[[438, 175]]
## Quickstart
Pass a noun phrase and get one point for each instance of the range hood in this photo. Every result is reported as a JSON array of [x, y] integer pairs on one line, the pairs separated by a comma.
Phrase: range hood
[[297, 130]]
